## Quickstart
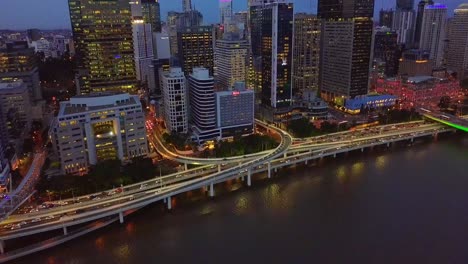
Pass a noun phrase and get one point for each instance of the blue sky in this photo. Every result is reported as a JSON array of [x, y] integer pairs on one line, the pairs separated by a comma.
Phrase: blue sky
[[53, 14]]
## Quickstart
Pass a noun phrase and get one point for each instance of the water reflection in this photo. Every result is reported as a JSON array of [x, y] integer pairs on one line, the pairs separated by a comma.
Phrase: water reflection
[[242, 204], [381, 162], [122, 253]]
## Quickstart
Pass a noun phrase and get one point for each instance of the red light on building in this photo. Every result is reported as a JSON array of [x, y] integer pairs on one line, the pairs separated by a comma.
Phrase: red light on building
[[235, 93]]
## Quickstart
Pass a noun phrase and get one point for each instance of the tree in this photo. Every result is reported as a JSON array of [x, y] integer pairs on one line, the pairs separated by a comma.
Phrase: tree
[[444, 102], [301, 127]]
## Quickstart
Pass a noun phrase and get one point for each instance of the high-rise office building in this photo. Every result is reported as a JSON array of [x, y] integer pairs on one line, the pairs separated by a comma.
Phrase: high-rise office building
[[98, 127], [143, 48], [386, 50], [17, 60], [225, 10], [102, 33], [152, 14], [346, 47], [15, 105], [187, 5], [231, 62], [306, 53], [457, 57], [419, 18], [4, 171], [174, 90], [405, 4], [195, 48], [386, 18], [202, 105], [403, 24], [433, 32], [271, 24]]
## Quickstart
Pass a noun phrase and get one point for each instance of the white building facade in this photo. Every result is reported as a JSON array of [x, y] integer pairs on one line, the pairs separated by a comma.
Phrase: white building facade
[[174, 91], [97, 127], [433, 32]]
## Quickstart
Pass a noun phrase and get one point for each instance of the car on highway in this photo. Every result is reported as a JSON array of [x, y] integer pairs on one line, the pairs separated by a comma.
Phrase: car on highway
[[15, 226], [36, 220]]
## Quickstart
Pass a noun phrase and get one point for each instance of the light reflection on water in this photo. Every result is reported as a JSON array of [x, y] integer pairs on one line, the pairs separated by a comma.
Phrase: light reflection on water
[[349, 204]]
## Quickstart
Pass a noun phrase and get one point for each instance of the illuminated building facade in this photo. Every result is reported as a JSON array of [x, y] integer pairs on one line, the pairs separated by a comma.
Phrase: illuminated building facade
[[419, 89], [195, 45], [433, 29], [152, 14], [175, 101], [17, 60], [386, 18], [457, 57], [346, 47], [419, 19], [231, 61], [271, 25], [415, 63], [387, 50], [15, 110], [143, 49], [306, 53], [403, 24], [225, 10], [97, 127], [102, 34]]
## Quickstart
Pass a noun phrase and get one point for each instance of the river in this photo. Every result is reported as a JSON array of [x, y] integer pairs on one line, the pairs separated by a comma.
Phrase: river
[[403, 205]]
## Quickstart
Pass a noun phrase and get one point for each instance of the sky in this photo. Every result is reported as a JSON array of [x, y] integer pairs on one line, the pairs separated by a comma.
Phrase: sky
[[53, 14]]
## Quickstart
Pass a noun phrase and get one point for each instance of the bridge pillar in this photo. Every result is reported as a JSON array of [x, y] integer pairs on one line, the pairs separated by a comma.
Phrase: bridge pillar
[[169, 203], [185, 166], [412, 139], [121, 217], [249, 177], [219, 167], [212, 194], [334, 155], [65, 231], [285, 155], [388, 144], [269, 170], [2, 247], [362, 149], [306, 161], [276, 170]]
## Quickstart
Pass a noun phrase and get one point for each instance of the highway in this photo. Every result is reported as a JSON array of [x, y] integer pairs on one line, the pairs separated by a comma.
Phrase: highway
[[141, 194]]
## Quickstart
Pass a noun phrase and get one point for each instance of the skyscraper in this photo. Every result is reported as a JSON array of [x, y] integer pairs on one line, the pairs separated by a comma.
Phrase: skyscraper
[[405, 4], [403, 24], [306, 53], [271, 23], [195, 45], [457, 57], [231, 61], [143, 48], [174, 92], [102, 33], [346, 47], [202, 105], [433, 32], [386, 50], [186, 5], [225, 9], [152, 14], [17, 60], [386, 18], [419, 19]]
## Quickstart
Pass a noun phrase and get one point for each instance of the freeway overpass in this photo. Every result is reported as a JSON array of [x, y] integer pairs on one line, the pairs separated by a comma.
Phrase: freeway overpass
[[139, 195], [458, 122]]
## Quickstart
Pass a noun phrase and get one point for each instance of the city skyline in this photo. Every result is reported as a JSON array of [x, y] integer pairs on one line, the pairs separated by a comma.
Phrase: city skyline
[[24, 14]]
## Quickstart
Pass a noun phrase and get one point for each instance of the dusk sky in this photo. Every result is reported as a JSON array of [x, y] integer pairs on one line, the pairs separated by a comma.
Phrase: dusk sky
[[53, 14]]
